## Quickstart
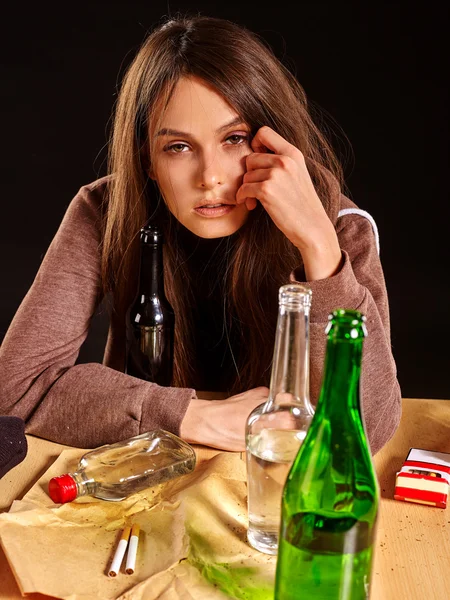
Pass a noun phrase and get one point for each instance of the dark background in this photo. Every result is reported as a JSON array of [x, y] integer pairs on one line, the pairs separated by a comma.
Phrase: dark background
[[377, 70]]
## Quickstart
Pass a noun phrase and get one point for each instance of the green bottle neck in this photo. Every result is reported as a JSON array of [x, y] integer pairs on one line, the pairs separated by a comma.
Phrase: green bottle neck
[[340, 389]]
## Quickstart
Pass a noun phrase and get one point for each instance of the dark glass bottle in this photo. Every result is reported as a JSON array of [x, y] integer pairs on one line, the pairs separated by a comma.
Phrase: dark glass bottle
[[150, 319], [331, 496]]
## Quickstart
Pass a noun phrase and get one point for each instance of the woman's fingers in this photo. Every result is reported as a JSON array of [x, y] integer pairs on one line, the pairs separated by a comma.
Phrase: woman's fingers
[[268, 161], [226, 419], [251, 203], [258, 175], [258, 189], [274, 159], [268, 139]]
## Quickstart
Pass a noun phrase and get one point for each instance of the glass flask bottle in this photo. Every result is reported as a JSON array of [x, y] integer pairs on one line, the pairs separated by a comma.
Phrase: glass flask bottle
[[276, 428], [331, 497], [115, 471]]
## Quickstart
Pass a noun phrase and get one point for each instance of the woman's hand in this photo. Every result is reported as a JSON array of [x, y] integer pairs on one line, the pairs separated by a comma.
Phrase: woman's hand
[[221, 423], [277, 176]]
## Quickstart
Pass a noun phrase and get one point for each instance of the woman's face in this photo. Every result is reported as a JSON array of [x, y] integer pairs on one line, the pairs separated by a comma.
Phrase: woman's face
[[198, 159]]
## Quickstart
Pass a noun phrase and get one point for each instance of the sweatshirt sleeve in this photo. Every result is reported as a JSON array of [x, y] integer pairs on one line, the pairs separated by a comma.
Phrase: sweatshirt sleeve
[[359, 285], [82, 405]]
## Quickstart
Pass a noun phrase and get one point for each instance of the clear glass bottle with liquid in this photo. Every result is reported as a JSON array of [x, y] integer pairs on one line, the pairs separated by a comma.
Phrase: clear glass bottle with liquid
[[115, 471], [276, 429], [331, 496]]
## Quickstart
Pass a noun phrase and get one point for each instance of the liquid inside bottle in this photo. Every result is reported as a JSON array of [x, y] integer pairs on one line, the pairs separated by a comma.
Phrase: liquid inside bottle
[[330, 557], [276, 429], [115, 471], [270, 456]]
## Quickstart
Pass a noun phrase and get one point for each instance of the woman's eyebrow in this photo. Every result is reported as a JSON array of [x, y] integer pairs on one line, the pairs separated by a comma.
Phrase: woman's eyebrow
[[232, 123], [177, 132]]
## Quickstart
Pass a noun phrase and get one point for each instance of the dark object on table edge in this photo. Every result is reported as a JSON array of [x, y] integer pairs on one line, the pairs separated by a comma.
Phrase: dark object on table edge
[[13, 443]]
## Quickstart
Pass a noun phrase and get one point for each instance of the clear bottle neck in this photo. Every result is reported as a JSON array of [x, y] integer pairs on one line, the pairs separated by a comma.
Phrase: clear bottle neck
[[289, 382], [85, 486]]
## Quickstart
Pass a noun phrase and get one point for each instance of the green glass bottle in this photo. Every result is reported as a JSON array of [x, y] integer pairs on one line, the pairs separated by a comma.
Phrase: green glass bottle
[[331, 496]]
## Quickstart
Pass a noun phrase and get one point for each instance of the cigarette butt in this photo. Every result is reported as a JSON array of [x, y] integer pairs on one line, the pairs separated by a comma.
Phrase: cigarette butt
[[132, 550], [120, 552]]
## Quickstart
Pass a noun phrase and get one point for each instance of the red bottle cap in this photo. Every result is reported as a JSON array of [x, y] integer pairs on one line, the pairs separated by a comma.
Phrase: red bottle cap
[[62, 489]]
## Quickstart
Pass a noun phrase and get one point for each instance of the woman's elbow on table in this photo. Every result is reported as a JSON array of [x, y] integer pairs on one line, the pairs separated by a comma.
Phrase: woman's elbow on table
[[22, 389], [12, 391]]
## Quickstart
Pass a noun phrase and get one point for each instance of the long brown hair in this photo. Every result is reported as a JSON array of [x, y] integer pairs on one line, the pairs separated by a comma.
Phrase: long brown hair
[[245, 71]]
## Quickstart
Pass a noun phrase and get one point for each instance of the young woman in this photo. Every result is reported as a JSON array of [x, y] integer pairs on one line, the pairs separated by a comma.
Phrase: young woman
[[212, 138]]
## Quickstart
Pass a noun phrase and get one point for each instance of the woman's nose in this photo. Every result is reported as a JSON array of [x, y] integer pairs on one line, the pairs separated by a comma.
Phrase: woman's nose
[[211, 173]]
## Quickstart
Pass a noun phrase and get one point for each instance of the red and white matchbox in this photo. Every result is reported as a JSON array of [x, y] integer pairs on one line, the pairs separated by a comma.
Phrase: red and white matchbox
[[424, 478]]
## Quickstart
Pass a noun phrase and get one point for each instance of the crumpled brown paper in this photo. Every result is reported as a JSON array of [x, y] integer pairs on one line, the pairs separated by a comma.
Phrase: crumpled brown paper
[[192, 544]]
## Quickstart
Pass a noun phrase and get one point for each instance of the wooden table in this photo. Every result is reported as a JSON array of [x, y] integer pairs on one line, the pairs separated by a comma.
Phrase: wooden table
[[412, 559]]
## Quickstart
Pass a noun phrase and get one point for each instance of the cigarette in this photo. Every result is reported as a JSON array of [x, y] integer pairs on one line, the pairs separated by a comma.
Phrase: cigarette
[[132, 550], [120, 552]]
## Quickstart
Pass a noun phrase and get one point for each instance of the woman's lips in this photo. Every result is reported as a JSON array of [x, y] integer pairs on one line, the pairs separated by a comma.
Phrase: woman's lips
[[218, 211]]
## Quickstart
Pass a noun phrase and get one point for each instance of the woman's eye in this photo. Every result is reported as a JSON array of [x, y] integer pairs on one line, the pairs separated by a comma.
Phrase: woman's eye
[[176, 148], [236, 139]]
